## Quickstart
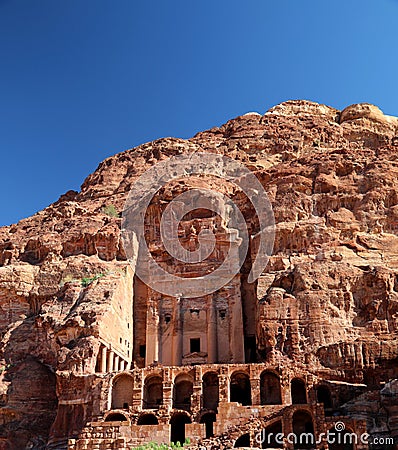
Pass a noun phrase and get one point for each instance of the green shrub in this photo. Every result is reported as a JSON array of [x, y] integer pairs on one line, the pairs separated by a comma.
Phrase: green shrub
[[86, 281], [110, 211], [155, 446]]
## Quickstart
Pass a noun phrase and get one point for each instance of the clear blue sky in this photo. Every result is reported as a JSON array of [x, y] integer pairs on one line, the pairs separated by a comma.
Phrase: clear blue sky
[[81, 80]]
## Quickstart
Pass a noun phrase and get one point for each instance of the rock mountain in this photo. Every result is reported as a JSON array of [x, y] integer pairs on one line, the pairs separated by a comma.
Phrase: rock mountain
[[326, 306]]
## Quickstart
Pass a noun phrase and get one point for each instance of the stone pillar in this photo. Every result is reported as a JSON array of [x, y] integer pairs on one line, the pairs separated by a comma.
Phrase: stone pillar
[[137, 399], [137, 390], [121, 365], [177, 333], [152, 333], [285, 388], [287, 428], [103, 359], [116, 363], [236, 346], [111, 356], [311, 392], [223, 388], [255, 390], [212, 334], [168, 395], [196, 398]]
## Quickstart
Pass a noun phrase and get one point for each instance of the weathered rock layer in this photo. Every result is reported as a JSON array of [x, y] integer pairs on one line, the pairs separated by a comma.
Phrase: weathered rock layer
[[327, 302]]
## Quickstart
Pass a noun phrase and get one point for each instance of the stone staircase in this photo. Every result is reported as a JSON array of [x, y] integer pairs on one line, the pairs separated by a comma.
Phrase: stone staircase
[[223, 440]]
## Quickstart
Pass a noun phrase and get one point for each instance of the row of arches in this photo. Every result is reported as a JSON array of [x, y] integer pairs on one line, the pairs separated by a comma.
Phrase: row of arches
[[270, 389], [270, 437], [302, 428], [240, 391], [303, 436]]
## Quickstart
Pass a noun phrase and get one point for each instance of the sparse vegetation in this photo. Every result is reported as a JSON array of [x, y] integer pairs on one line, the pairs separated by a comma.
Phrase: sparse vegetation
[[6, 367], [110, 211], [67, 279], [86, 281], [155, 446]]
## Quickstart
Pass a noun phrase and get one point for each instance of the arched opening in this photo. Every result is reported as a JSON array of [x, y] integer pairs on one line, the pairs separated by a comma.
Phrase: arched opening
[[343, 440], [210, 391], [303, 430], [208, 419], [182, 391], [116, 417], [153, 392], [323, 396], [240, 390], [270, 389], [122, 391], [148, 419], [243, 441], [34, 380], [271, 436], [298, 391], [177, 431]]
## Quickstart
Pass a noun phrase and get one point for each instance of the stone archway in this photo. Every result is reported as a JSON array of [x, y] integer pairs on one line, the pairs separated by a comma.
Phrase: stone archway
[[182, 392], [240, 389], [35, 381], [270, 389], [177, 427], [122, 391], [303, 430], [243, 441], [147, 419], [210, 390], [153, 392], [298, 391], [323, 396], [208, 419], [271, 436], [116, 417]]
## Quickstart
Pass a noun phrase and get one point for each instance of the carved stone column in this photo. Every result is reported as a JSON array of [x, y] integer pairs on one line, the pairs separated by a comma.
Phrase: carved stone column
[[152, 333], [237, 346], [212, 333], [111, 356], [137, 391], [104, 352], [197, 391], [255, 390], [168, 395], [177, 333], [223, 388]]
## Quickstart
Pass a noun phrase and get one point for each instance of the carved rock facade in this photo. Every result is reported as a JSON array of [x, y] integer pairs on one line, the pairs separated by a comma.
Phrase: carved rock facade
[[92, 358]]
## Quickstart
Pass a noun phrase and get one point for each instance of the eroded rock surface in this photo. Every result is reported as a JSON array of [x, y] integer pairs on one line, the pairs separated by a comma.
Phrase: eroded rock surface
[[326, 305]]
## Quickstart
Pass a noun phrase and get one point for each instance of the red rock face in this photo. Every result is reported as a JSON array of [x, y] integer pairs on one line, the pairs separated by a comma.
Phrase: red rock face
[[326, 304]]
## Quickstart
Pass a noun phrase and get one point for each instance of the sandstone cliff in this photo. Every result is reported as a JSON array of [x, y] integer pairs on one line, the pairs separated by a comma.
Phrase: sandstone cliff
[[328, 299]]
